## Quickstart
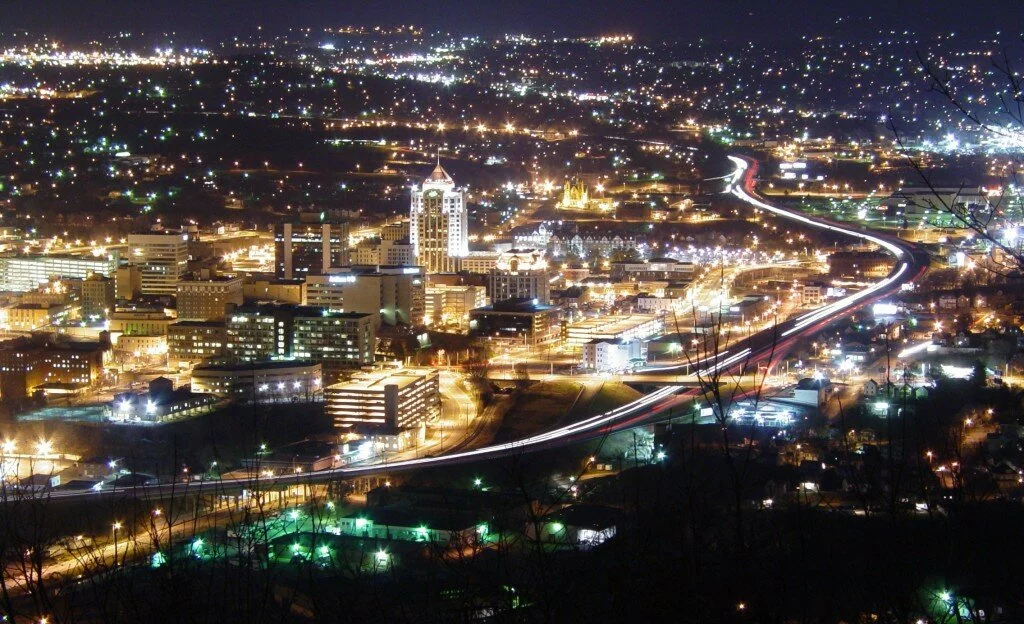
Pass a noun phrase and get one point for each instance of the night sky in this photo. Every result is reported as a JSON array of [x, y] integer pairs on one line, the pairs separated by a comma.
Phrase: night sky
[[711, 19]]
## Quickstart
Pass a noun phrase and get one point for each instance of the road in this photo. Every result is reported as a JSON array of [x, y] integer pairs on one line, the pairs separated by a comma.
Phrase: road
[[763, 348]]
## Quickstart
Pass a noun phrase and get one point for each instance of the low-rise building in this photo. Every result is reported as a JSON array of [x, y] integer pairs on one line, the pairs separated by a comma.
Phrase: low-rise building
[[520, 320], [579, 526], [27, 317], [260, 382], [450, 305], [606, 356], [189, 342], [625, 327]]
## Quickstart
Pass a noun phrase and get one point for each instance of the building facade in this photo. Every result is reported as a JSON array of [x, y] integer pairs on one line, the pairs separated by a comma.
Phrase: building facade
[[335, 339], [396, 294], [450, 304], [309, 248], [207, 299], [519, 320], [520, 274], [162, 260], [260, 382], [194, 341], [438, 223], [97, 297], [26, 273], [384, 402]]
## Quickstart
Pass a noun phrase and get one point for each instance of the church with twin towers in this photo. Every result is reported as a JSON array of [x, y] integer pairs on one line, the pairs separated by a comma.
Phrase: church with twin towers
[[438, 223]]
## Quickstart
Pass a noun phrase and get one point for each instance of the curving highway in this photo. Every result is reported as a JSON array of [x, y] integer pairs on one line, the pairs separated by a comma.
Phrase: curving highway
[[763, 347]]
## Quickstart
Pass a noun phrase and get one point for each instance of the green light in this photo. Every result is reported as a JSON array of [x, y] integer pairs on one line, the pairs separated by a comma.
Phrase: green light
[[482, 529], [296, 547], [382, 556], [478, 482], [556, 527], [325, 551], [361, 523]]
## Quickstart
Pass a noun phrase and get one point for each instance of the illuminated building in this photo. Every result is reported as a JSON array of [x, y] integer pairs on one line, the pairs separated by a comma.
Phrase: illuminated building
[[97, 297], [520, 274], [195, 341], [127, 282], [450, 304], [577, 197], [25, 273], [28, 317], [139, 322], [260, 382], [385, 402], [309, 247], [626, 327], [394, 293], [207, 299], [438, 223], [334, 338], [480, 261], [605, 356], [523, 321], [276, 290], [162, 258], [654, 269], [860, 264], [26, 365]]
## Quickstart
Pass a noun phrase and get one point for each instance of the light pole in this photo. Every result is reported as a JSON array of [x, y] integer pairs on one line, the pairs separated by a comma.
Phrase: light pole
[[115, 528]]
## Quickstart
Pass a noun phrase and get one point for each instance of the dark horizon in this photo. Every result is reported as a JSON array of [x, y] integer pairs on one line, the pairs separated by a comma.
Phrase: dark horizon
[[193, 20]]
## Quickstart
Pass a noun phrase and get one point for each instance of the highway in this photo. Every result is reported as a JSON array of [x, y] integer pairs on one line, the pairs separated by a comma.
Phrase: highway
[[763, 348]]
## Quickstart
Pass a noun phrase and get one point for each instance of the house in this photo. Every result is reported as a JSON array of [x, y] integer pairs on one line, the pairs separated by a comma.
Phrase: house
[[870, 388]]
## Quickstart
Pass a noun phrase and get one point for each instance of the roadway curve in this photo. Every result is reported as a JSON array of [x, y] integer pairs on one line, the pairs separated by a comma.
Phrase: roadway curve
[[766, 346]]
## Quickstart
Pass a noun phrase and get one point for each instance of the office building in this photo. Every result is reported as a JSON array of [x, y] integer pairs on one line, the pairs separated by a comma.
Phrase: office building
[[195, 341], [25, 273], [27, 365], [162, 260], [450, 304], [27, 317], [278, 290], [260, 382], [259, 332], [127, 282], [384, 402], [336, 339], [656, 269], [438, 223], [97, 297], [266, 332], [208, 299], [395, 231], [310, 246], [520, 274], [139, 322], [518, 320], [479, 262], [396, 294]]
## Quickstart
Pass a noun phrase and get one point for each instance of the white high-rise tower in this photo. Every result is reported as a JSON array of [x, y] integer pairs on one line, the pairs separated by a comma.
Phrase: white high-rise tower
[[438, 225]]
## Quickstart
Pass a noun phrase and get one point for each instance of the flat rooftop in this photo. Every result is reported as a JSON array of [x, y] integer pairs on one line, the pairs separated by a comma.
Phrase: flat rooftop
[[612, 324], [376, 381]]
